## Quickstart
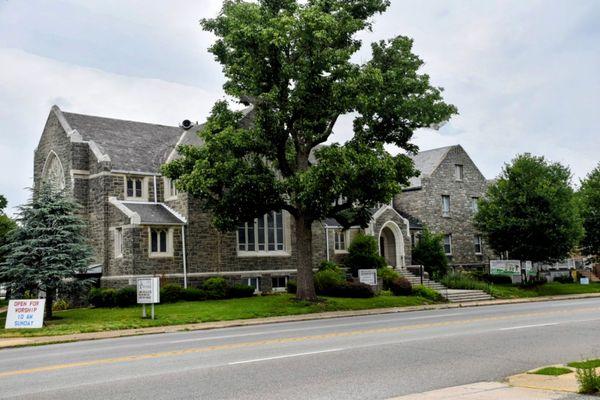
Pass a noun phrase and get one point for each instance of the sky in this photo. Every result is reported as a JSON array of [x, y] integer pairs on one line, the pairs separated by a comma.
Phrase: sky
[[524, 74]]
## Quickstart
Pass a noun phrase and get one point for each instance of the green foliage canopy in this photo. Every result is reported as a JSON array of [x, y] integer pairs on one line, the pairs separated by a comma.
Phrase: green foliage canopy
[[531, 211], [292, 62], [429, 252], [589, 203]]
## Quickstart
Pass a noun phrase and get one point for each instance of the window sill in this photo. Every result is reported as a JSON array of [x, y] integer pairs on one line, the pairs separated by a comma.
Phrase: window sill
[[250, 254], [278, 290], [340, 252], [127, 198], [119, 257], [171, 198], [160, 255]]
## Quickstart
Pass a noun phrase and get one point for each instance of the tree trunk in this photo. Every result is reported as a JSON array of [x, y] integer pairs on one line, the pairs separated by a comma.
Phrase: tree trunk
[[49, 302], [305, 282]]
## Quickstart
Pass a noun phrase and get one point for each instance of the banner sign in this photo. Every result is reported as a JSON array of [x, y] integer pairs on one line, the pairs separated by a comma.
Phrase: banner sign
[[25, 314], [148, 290], [510, 267], [368, 276]]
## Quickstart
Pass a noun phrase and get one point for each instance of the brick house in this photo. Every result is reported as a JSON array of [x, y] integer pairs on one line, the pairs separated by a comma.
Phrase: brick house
[[140, 225], [444, 199]]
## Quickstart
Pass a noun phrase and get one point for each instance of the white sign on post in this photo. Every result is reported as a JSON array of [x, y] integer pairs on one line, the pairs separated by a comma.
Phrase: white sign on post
[[584, 281], [25, 314], [368, 276], [148, 292]]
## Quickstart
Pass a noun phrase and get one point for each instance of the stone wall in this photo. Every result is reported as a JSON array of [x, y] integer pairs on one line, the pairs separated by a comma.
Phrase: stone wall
[[426, 205]]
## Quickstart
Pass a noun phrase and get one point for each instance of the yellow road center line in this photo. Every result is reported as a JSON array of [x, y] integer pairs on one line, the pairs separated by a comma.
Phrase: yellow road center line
[[233, 346]]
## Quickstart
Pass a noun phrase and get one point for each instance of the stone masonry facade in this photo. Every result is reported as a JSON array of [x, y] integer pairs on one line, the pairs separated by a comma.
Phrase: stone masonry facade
[[424, 201], [137, 227]]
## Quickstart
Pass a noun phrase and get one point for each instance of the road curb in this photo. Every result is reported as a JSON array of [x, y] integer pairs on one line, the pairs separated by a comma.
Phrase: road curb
[[42, 340]]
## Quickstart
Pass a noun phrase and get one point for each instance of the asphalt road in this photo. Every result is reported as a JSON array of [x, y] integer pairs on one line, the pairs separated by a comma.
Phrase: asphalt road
[[371, 357]]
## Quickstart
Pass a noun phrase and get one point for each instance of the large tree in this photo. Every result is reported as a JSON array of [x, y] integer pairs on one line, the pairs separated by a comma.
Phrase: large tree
[[48, 247], [531, 212], [589, 202], [291, 61]]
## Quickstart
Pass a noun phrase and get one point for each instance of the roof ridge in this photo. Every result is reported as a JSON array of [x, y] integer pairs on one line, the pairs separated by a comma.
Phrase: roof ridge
[[67, 113]]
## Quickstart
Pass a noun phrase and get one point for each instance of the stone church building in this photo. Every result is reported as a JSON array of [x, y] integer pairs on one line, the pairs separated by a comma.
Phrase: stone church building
[[140, 225]]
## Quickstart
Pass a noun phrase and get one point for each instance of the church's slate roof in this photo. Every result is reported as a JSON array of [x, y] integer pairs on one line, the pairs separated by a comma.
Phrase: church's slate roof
[[153, 214], [131, 146], [426, 162]]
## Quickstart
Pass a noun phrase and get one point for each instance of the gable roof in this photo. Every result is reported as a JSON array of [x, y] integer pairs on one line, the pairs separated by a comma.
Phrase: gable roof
[[131, 146], [427, 161]]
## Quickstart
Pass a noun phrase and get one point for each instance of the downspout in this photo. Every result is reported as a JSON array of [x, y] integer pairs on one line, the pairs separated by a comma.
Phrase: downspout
[[184, 257], [155, 199], [327, 240]]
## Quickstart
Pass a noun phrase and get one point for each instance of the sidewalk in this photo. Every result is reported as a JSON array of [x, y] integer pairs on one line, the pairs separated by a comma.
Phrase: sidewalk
[[39, 340], [492, 391]]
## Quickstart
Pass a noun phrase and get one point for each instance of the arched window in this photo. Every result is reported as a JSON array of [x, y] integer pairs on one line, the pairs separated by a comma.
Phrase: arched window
[[53, 171]]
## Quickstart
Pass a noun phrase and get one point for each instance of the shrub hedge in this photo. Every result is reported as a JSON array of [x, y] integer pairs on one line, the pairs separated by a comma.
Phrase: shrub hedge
[[400, 286], [126, 297], [239, 291], [215, 288], [350, 289]]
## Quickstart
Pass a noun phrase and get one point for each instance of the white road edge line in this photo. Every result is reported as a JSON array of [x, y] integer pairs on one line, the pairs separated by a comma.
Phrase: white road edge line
[[285, 356], [527, 326]]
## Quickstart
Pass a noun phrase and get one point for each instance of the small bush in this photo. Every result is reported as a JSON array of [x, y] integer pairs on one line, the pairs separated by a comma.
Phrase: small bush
[[589, 380], [351, 290], [564, 279], [363, 254], [328, 265], [387, 275], [102, 297], [126, 297], [215, 288], [95, 297], [534, 282], [109, 297], [324, 280], [291, 287], [60, 305], [194, 294], [463, 281], [427, 293], [496, 279], [401, 287], [171, 293], [240, 290]]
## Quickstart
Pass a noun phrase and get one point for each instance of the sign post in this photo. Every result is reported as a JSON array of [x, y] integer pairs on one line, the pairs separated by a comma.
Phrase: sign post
[[25, 314], [368, 276], [148, 292]]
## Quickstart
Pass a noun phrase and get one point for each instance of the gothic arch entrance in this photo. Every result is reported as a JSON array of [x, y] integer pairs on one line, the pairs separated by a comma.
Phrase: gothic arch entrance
[[391, 245]]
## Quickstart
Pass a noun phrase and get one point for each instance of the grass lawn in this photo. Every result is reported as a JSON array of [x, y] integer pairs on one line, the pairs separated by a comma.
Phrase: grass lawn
[[103, 319], [548, 289], [585, 364], [553, 371]]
